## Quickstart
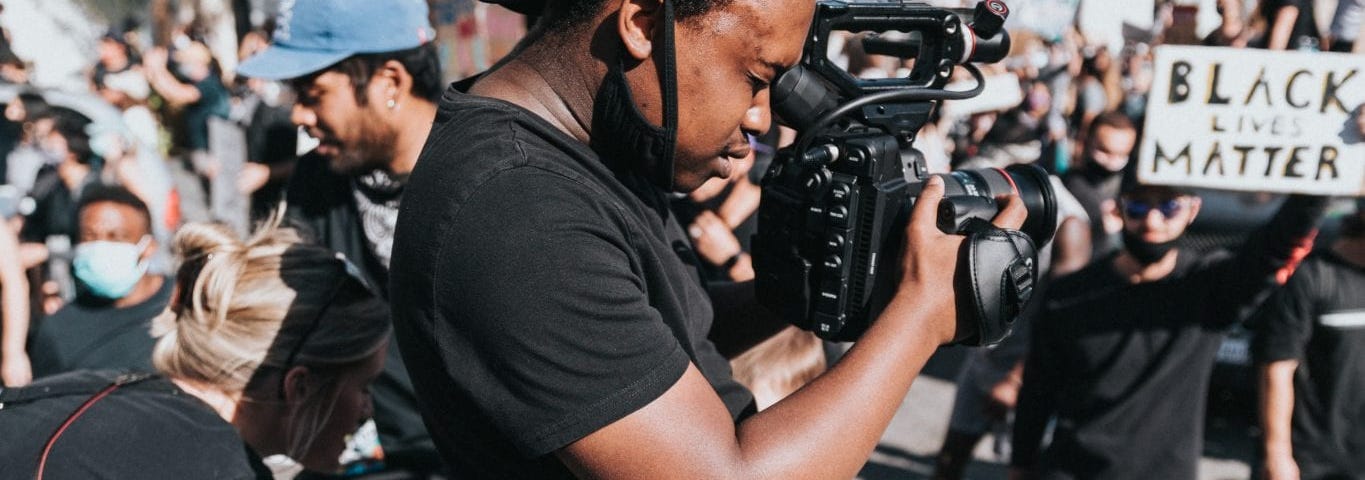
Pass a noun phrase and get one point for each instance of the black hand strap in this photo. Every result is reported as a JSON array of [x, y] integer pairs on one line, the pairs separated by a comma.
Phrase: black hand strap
[[1001, 271]]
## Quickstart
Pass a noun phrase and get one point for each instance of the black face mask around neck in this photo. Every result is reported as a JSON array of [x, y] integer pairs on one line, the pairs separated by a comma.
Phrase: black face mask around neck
[[1143, 251], [622, 135]]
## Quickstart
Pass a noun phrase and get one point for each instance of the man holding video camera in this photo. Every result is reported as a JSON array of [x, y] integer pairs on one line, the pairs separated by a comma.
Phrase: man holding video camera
[[1122, 352], [548, 305]]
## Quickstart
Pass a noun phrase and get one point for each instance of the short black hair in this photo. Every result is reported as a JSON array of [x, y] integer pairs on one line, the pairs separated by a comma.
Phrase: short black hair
[[560, 16], [72, 125], [1112, 119], [421, 62], [35, 106], [116, 194]]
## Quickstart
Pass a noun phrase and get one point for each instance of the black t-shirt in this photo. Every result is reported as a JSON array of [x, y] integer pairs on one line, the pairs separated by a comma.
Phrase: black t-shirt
[[149, 429], [1319, 320], [54, 209], [1092, 185], [538, 295], [1305, 33], [1125, 368], [213, 102], [88, 336]]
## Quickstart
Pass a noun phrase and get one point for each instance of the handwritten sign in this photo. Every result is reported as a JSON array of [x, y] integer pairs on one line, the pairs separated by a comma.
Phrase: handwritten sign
[[1255, 120]]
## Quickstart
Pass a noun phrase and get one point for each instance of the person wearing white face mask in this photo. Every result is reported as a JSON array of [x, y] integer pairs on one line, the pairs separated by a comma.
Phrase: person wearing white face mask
[[106, 326]]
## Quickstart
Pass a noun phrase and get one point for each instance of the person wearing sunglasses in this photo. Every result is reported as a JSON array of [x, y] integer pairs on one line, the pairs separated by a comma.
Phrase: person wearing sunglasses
[[268, 348], [1122, 353]]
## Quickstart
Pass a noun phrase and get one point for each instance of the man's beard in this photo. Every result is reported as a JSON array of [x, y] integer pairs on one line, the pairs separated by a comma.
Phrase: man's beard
[[372, 149]]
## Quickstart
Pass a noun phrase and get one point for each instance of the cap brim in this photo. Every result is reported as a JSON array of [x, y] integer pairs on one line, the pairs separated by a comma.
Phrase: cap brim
[[279, 63]]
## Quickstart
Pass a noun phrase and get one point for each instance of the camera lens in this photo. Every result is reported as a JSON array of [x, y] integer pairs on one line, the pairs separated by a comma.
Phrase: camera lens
[[1029, 182], [799, 98]]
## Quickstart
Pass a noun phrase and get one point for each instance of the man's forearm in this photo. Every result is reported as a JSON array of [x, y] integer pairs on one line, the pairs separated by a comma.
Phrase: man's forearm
[[15, 316], [852, 403], [14, 311], [1277, 406], [1269, 257]]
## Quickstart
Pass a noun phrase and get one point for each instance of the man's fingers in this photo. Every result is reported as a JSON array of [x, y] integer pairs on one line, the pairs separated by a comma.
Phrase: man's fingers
[[1012, 212], [926, 208], [709, 222]]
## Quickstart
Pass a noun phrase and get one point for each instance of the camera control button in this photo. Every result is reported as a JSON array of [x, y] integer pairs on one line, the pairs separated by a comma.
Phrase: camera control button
[[838, 216], [835, 242], [834, 262], [841, 192]]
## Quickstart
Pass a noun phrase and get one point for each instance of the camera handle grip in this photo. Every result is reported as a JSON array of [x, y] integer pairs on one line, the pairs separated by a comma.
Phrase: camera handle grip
[[1001, 271]]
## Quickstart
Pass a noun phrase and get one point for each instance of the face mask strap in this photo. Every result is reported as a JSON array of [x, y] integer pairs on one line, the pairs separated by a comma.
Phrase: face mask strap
[[142, 245], [669, 84]]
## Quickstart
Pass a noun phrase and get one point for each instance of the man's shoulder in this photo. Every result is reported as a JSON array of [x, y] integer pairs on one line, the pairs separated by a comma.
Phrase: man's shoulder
[[71, 316], [1325, 270], [488, 147], [473, 133], [1096, 283], [181, 428]]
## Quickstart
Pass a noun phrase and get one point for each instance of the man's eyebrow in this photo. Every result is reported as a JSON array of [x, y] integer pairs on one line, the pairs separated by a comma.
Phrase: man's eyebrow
[[775, 67]]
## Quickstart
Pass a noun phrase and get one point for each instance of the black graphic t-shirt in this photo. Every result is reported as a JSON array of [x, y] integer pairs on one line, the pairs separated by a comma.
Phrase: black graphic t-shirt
[[1319, 320]]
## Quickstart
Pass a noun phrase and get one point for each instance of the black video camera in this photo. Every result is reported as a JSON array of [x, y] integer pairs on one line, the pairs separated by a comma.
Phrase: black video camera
[[835, 204]]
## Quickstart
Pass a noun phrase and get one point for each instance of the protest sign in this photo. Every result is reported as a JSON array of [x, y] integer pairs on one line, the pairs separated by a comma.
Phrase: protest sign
[[1001, 93], [1255, 120]]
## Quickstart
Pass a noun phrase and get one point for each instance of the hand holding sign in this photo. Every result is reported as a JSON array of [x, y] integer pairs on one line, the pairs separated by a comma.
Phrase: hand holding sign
[[1255, 120]]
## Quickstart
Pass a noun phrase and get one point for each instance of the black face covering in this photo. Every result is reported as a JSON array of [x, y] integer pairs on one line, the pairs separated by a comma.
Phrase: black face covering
[[622, 135], [1144, 251]]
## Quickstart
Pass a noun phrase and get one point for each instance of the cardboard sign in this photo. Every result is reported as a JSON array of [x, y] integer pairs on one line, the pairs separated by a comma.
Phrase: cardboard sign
[[1255, 120], [1002, 93]]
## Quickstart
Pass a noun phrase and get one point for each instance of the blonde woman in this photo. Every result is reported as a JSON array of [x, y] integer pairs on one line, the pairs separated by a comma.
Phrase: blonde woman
[[268, 347]]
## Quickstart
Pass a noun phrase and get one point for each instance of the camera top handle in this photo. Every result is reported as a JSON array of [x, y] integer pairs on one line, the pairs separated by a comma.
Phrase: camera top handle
[[808, 96]]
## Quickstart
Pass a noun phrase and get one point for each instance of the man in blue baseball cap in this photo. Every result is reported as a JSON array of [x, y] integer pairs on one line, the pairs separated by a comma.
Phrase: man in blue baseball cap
[[367, 75]]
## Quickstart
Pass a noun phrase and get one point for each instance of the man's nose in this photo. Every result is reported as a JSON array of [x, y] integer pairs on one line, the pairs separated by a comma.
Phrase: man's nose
[[303, 116], [1155, 219]]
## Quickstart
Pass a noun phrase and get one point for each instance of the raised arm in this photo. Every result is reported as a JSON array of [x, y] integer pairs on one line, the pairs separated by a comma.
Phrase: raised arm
[[165, 83], [1281, 27], [14, 312], [1267, 260]]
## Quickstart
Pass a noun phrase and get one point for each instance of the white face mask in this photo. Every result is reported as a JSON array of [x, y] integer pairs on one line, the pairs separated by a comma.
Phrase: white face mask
[[110, 269]]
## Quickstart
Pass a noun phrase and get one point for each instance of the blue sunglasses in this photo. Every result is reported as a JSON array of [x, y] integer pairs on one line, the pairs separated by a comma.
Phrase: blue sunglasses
[[1138, 209]]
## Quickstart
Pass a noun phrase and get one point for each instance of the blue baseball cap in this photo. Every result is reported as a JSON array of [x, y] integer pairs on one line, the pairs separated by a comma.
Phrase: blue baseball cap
[[314, 34]]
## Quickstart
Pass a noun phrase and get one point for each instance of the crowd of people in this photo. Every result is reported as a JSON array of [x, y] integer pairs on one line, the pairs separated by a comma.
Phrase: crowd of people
[[335, 260]]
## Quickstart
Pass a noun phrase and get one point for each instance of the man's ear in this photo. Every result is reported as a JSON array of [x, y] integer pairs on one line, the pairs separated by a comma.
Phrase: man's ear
[[297, 384], [151, 248], [637, 23], [1195, 202], [391, 81]]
